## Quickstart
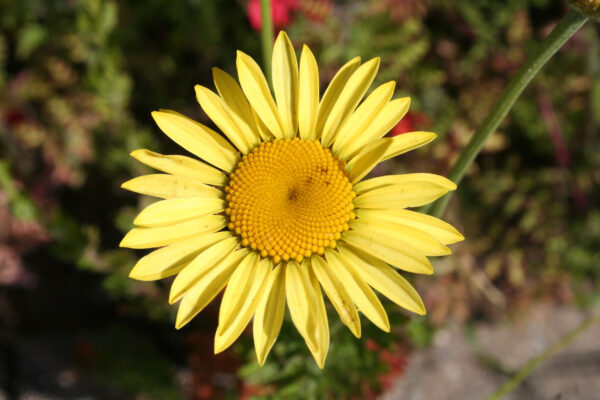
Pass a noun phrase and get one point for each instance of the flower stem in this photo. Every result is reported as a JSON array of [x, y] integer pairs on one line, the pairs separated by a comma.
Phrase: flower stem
[[568, 25], [537, 360], [266, 34]]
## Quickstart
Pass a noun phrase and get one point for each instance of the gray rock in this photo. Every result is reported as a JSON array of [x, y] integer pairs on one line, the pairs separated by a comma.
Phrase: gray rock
[[456, 367]]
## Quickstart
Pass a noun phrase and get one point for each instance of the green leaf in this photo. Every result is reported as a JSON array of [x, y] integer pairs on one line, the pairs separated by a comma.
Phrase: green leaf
[[420, 332], [30, 38]]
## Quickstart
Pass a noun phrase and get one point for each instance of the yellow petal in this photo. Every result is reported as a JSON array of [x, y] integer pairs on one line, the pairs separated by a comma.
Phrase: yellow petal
[[322, 328], [367, 159], [197, 139], [265, 135], [181, 166], [232, 94], [285, 83], [387, 118], [169, 260], [145, 238], [308, 103], [407, 142], [167, 212], [385, 280], [169, 186], [240, 299], [389, 250], [269, 313], [301, 301], [442, 231], [349, 98], [337, 294], [234, 127], [244, 285], [333, 92], [205, 290], [361, 294], [354, 126], [402, 195], [200, 266], [419, 240], [257, 92], [389, 180]]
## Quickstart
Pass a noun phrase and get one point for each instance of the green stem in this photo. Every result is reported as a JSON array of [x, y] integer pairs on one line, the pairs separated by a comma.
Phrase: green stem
[[266, 35], [537, 360], [568, 25]]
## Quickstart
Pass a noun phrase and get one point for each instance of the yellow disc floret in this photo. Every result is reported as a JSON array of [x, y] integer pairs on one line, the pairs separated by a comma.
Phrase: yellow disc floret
[[289, 199]]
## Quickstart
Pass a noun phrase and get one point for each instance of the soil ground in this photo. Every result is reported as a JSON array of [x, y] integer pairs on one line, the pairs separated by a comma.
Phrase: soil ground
[[470, 363]]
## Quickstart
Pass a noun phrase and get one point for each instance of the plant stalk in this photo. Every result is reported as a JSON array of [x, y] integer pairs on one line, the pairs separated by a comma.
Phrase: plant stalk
[[566, 28], [530, 366], [266, 34]]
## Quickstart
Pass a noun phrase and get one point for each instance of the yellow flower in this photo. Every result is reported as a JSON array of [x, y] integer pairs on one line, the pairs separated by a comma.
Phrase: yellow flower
[[277, 211]]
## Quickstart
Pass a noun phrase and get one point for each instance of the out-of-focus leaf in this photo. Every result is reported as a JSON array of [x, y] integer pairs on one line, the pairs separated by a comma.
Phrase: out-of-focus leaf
[[30, 38]]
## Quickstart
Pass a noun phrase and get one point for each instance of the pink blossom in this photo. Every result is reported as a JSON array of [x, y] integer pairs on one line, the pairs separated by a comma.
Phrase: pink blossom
[[410, 122], [281, 12]]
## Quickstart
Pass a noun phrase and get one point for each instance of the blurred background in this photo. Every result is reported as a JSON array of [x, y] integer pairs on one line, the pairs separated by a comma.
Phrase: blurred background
[[78, 80]]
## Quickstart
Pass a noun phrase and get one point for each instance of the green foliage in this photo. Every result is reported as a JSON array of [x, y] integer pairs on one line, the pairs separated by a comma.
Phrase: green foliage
[[21, 205], [78, 80], [30, 38], [351, 370], [420, 332], [132, 365]]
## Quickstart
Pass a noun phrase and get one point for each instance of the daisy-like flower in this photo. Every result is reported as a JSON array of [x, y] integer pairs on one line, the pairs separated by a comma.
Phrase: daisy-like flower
[[276, 210]]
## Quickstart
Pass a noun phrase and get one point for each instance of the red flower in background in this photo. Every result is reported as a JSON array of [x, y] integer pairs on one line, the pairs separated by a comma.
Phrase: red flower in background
[[282, 11], [412, 121], [14, 117], [396, 359]]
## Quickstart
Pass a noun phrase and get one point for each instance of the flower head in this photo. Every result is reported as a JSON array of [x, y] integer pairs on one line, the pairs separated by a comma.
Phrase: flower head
[[275, 211]]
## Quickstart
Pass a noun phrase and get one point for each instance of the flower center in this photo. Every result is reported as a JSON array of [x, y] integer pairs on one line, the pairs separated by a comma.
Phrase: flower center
[[289, 199]]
